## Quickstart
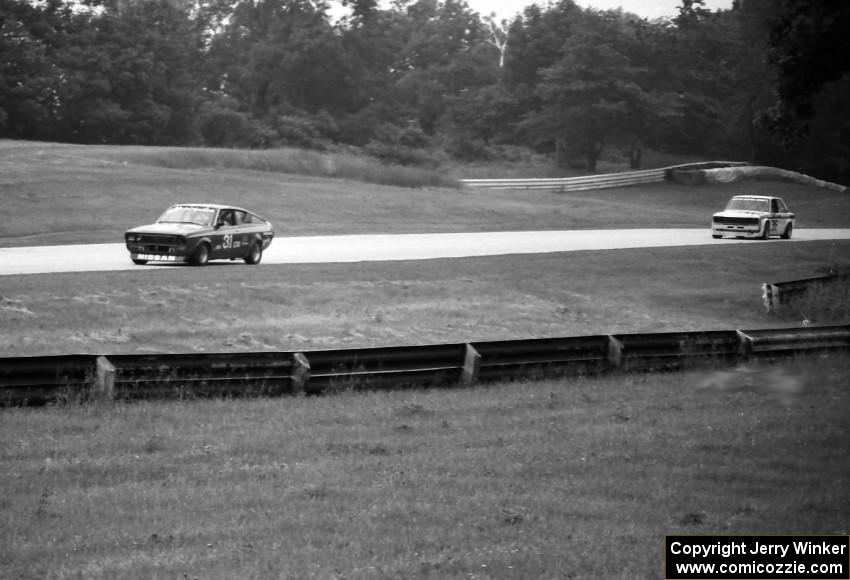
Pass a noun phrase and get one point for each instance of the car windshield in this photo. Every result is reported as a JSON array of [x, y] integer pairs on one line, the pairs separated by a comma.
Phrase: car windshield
[[201, 216], [748, 204]]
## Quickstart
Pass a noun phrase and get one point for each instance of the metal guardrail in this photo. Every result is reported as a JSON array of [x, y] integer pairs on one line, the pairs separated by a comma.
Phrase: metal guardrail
[[162, 375], [45, 378], [38, 380], [573, 183], [602, 181], [538, 358], [676, 350], [779, 295], [775, 343]]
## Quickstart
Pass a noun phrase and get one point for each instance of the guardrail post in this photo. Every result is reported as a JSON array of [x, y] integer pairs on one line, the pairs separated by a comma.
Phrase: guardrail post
[[104, 379], [471, 366], [300, 373], [770, 296], [745, 346], [615, 352]]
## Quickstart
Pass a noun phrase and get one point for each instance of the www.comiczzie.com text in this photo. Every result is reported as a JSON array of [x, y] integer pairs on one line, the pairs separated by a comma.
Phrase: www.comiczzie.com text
[[763, 557]]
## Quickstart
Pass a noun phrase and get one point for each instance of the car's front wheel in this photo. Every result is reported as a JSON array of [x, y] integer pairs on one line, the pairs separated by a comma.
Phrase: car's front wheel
[[139, 262], [766, 231], [789, 229], [255, 254], [201, 256]]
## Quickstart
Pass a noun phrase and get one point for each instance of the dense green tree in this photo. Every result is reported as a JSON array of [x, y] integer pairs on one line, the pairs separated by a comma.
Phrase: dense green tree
[[535, 41], [699, 56], [372, 42], [809, 44], [445, 53], [585, 97], [416, 79], [654, 103], [29, 77], [131, 75], [808, 47], [282, 63], [602, 90]]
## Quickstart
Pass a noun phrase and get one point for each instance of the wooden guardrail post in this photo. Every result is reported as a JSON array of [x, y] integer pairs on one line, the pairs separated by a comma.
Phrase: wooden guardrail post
[[615, 353], [745, 346], [770, 297], [471, 366], [104, 379], [300, 373]]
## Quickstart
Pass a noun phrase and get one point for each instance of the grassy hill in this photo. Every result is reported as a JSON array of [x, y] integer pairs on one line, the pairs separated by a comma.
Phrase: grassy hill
[[57, 194], [72, 194]]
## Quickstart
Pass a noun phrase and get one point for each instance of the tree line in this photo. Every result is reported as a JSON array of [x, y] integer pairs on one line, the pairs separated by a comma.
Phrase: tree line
[[418, 81]]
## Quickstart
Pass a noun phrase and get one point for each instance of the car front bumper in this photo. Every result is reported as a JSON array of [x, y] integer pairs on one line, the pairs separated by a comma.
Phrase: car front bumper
[[741, 231], [157, 252], [173, 258]]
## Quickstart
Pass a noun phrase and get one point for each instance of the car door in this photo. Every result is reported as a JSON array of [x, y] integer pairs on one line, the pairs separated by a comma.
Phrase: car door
[[242, 232], [223, 236], [784, 215], [774, 218]]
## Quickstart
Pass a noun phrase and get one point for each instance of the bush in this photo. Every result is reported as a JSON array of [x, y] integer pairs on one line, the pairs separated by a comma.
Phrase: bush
[[467, 149], [308, 131], [404, 146], [223, 128], [401, 155]]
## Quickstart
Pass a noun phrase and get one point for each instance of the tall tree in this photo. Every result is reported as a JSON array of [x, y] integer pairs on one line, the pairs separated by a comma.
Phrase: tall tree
[[130, 74], [809, 46], [535, 40], [597, 93], [372, 43], [29, 79], [809, 50], [445, 53], [279, 55]]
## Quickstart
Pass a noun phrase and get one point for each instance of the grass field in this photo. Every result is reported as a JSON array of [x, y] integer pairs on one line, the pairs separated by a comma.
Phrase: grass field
[[59, 194], [578, 478], [556, 479], [310, 307], [67, 194]]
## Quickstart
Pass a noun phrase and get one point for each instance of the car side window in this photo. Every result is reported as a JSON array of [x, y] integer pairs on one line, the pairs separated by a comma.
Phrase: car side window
[[239, 218], [225, 217], [774, 206]]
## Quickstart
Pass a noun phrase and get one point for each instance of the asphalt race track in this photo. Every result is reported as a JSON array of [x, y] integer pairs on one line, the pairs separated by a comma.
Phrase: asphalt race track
[[363, 248]]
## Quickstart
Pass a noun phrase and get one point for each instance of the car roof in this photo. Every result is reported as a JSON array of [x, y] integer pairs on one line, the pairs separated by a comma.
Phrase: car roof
[[759, 197], [209, 206]]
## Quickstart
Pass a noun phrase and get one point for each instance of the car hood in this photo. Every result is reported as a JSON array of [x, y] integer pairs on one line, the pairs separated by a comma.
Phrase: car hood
[[740, 213], [169, 228]]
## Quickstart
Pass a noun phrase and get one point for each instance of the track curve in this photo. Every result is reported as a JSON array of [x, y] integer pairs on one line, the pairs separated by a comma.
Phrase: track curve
[[380, 247]]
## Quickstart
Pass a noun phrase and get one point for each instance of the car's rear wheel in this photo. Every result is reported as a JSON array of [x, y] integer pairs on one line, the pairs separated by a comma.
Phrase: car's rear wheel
[[789, 229], [139, 262], [255, 254], [201, 256]]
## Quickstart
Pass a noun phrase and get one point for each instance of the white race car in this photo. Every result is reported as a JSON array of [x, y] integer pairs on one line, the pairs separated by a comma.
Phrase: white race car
[[753, 216]]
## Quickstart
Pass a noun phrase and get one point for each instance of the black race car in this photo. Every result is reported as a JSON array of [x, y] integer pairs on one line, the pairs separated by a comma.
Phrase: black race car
[[199, 232]]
